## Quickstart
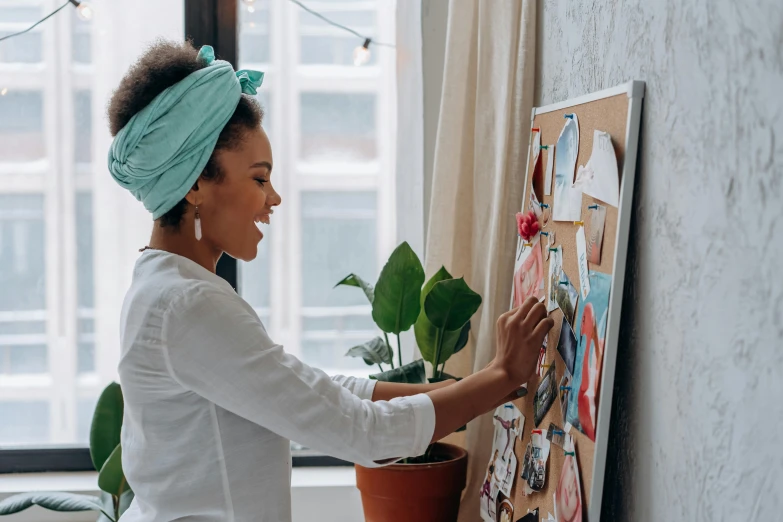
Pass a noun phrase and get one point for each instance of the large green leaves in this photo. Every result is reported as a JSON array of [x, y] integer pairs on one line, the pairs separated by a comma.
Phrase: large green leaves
[[111, 479], [451, 341], [396, 303], [355, 280], [106, 424], [374, 351], [411, 373], [51, 500], [451, 303]]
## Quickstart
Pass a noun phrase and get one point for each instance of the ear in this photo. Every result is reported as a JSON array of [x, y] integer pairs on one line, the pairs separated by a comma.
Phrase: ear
[[194, 197]]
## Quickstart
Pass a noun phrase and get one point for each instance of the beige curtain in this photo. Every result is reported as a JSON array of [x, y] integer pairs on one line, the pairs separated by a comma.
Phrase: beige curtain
[[480, 156]]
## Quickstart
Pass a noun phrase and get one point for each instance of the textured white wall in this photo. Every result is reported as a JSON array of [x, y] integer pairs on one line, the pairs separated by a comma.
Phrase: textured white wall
[[698, 411]]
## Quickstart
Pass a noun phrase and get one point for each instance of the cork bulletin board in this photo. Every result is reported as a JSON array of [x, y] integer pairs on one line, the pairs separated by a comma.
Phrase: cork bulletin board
[[615, 111]]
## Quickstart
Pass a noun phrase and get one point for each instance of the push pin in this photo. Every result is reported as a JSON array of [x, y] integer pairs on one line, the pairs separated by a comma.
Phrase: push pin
[[570, 116], [564, 283], [571, 453], [553, 250], [545, 234], [558, 432], [579, 223], [593, 207], [543, 205], [535, 129], [545, 147], [527, 245], [565, 388], [536, 431]]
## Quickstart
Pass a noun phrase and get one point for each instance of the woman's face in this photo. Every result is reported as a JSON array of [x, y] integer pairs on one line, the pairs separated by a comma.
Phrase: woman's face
[[568, 494], [230, 209]]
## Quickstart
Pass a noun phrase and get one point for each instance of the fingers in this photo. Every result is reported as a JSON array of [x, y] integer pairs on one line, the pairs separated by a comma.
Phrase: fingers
[[542, 328], [535, 315], [518, 314]]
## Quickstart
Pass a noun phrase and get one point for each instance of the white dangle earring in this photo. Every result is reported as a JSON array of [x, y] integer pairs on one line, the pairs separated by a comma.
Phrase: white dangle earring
[[198, 225]]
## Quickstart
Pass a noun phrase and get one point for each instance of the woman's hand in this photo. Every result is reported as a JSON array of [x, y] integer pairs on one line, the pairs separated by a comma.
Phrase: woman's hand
[[520, 334]]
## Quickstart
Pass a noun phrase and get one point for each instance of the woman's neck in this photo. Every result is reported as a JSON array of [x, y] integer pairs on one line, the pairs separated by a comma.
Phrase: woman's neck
[[185, 245]]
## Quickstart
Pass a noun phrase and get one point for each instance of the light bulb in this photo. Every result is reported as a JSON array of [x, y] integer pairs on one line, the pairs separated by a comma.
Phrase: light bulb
[[251, 9], [84, 11], [248, 2], [361, 54], [4, 91]]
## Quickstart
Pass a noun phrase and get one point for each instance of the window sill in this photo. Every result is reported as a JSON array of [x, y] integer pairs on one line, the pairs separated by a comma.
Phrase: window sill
[[314, 491]]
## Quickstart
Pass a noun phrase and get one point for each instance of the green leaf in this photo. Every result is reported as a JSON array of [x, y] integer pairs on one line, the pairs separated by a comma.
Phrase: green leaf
[[50, 500], [411, 373], [462, 340], [451, 303], [106, 424], [107, 501], [397, 294], [355, 280], [125, 501], [111, 479], [424, 330], [374, 351]]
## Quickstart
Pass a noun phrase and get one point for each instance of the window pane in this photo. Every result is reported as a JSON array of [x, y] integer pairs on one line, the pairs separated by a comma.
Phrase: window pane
[[81, 40], [254, 33], [338, 126], [30, 422], [338, 237], [21, 125], [25, 48], [84, 411], [322, 43], [22, 267], [254, 279], [82, 119]]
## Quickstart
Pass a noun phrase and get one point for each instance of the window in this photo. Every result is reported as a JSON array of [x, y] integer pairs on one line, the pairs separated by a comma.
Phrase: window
[[332, 130], [68, 235]]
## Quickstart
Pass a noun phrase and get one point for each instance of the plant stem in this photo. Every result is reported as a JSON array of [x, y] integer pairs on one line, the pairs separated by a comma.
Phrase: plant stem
[[381, 367], [399, 350], [386, 337], [438, 344], [442, 368]]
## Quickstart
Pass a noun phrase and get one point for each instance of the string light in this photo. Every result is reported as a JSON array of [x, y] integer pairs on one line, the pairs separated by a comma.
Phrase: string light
[[361, 54], [83, 10], [4, 91]]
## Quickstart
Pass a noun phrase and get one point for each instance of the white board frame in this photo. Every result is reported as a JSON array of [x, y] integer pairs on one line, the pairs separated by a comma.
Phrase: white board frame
[[634, 89]]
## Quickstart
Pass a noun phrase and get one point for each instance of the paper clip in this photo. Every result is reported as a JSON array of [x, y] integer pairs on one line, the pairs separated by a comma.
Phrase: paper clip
[[571, 116], [553, 250], [593, 207], [535, 129], [543, 205], [571, 453], [565, 388], [545, 147]]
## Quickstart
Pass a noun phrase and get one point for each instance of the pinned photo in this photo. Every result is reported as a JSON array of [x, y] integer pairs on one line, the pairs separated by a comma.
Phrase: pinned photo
[[566, 346], [596, 238], [505, 509], [542, 357], [529, 276], [568, 495], [591, 330], [487, 505], [539, 455], [555, 267], [555, 435], [565, 389], [566, 296], [530, 517], [568, 200], [545, 394]]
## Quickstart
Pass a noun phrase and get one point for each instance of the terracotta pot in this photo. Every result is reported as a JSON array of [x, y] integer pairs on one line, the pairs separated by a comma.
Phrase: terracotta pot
[[415, 492]]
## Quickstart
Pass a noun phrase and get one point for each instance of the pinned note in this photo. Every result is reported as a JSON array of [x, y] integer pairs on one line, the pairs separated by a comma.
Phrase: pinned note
[[568, 199], [581, 255], [600, 178], [550, 156]]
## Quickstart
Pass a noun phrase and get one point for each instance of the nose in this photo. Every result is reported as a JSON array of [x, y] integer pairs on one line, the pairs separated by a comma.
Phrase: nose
[[274, 198]]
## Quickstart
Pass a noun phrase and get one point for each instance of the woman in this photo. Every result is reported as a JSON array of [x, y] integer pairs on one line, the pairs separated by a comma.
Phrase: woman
[[210, 400]]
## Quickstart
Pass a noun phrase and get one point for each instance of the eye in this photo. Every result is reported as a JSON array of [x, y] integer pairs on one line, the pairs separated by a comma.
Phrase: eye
[[261, 181]]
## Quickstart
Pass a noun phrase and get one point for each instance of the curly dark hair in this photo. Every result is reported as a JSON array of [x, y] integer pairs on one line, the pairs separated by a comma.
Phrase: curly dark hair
[[161, 66]]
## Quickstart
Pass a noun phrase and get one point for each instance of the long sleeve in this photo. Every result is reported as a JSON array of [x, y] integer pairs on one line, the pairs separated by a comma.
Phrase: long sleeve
[[217, 348], [362, 388]]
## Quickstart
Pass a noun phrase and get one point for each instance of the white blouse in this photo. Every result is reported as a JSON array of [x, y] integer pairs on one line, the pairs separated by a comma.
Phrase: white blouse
[[211, 403]]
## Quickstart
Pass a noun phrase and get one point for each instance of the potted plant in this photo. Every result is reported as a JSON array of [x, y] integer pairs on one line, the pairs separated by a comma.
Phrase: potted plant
[[428, 487], [106, 454]]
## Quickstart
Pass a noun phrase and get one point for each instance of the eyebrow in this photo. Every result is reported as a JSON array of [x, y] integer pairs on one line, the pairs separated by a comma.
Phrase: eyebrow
[[262, 164]]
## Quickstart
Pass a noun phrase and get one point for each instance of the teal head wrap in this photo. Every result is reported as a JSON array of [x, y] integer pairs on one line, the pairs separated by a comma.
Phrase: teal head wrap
[[163, 149]]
